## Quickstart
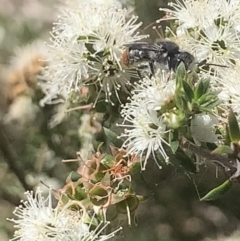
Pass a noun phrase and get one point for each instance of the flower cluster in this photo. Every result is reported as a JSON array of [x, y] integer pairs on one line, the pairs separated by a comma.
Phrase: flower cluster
[[164, 114], [81, 212], [86, 46], [105, 183], [165, 109], [208, 28], [145, 129], [38, 220]]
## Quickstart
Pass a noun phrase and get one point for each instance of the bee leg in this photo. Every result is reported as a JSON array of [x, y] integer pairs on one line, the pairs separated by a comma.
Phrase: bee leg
[[151, 69], [139, 73], [141, 69]]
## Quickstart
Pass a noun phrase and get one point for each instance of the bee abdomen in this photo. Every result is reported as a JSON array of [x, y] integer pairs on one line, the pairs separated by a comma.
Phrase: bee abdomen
[[125, 58]]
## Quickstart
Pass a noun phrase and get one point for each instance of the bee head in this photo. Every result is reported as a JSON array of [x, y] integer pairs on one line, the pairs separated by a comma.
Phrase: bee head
[[182, 57]]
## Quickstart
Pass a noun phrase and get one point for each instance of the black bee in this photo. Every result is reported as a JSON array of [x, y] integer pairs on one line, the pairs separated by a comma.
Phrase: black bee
[[162, 55]]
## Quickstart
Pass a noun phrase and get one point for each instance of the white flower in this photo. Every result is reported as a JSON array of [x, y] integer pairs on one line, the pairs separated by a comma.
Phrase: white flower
[[228, 81], [110, 78], [189, 13], [145, 131], [39, 221], [86, 46], [209, 29], [219, 45], [156, 92], [192, 14], [202, 128]]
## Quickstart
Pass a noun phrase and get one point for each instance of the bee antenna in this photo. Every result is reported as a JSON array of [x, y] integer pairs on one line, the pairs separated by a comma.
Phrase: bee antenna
[[204, 62]]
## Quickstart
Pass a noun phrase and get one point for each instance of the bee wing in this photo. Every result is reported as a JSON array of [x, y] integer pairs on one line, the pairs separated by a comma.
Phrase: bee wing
[[142, 46], [170, 46]]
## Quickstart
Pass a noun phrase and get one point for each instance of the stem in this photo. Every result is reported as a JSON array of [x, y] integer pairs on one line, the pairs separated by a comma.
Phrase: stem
[[85, 107], [11, 159], [227, 163]]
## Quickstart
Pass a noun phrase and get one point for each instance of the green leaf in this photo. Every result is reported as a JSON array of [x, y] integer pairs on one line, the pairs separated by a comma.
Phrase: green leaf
[[101, 107], [134, 168], [217, 192], [130, 202], [186, 161], [180, 75], [199, 91], [181, 70], [113, 138], [80, 194], [174, 143], [174, 146], [72, 177], [206, 98], [98, 195], [206, 84], [188, 91], [143, 198], [213, 104], [223, 150], [234, 131], [178, 101], [227, 140], [108, 160]]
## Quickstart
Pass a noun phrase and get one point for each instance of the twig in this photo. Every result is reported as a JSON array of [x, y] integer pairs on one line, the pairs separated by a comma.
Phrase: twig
[[223, 161], [11, 159], [84, 107]]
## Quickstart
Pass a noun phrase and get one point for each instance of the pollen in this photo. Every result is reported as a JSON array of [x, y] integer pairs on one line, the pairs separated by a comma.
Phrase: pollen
[[124, 58]]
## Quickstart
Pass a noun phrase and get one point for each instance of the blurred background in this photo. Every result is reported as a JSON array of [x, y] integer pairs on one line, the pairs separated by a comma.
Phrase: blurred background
[[35, 139]]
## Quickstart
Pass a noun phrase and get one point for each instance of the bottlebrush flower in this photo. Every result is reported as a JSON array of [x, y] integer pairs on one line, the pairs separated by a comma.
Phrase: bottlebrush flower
[[86, 46], [38, 220], [228, 82], [209, 29], [145, 130]]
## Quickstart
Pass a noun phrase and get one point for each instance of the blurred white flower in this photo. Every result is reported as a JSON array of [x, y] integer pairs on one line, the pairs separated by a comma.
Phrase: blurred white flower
[[38, 220], [202, 128], [28, 56], [22, 111], [75, 3], [145, 130], [86, 46]]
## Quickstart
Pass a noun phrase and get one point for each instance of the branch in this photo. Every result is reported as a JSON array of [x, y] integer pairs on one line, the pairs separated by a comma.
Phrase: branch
[[11, 159], [227, 163]]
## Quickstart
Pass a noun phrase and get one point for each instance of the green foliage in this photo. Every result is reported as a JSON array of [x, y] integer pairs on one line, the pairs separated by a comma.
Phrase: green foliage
[[233, 128], [192, 98], [218, 191], [112, 138]]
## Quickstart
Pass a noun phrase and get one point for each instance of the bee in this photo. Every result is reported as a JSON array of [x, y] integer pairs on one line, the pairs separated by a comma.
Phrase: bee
[[164, 55]]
